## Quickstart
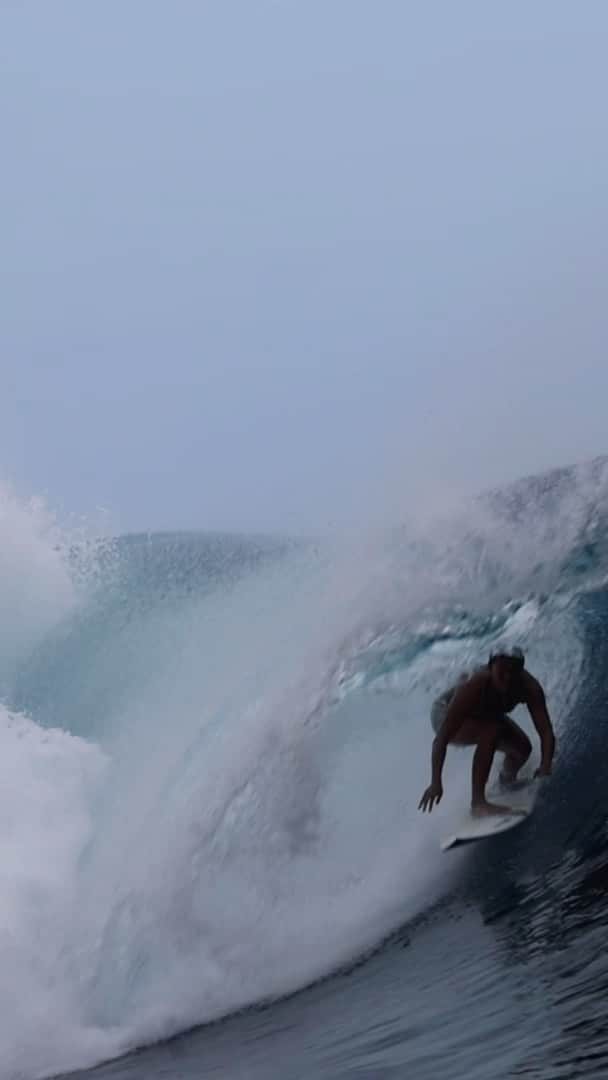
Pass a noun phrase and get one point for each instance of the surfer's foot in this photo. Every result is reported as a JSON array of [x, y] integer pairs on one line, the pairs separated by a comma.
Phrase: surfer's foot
[[509, 780], [486, 809], [512, 783], [505, 779]]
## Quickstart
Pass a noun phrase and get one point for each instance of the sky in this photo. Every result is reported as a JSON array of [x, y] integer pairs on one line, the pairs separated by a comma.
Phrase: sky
[[266, 263]]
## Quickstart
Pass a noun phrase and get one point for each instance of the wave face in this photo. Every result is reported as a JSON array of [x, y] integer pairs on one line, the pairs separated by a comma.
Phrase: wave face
[[212, 749]]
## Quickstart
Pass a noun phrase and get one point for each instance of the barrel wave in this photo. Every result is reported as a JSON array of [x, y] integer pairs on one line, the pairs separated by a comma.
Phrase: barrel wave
[[213, 747]]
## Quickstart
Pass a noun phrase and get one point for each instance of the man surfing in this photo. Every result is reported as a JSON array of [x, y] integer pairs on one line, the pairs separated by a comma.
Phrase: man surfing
[[475, 713]]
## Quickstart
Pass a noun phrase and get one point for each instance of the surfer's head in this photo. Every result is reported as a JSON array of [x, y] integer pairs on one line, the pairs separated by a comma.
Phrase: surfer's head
[[506, 666]]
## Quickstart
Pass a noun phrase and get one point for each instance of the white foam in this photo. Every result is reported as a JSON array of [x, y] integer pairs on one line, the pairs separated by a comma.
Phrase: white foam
[[35, 584], [47, 782]]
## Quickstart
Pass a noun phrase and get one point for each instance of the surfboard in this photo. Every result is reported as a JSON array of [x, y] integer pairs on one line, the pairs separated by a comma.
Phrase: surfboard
[[470, 829]]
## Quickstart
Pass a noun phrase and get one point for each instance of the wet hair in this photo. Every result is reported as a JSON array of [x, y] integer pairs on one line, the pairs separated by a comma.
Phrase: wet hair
[[514, 655]]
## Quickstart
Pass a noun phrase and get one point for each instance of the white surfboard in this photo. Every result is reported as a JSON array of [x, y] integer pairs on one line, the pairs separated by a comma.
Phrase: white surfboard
[[520, 801]]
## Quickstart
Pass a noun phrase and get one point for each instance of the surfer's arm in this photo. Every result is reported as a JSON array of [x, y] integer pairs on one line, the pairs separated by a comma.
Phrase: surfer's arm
[[537, 707], [463, 705]]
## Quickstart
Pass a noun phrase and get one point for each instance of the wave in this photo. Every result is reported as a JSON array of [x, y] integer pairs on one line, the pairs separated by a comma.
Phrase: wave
[[213, 748]]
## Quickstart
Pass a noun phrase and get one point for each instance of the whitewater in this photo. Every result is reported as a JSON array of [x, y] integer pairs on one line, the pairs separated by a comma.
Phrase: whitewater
[[212, 749]]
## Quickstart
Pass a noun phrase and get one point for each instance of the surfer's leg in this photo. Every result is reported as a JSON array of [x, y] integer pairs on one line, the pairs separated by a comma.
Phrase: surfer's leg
[[516, 746], [489, 734]]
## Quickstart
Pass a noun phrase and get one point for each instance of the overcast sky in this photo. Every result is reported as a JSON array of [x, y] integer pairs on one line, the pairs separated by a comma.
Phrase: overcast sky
[[262, 260]]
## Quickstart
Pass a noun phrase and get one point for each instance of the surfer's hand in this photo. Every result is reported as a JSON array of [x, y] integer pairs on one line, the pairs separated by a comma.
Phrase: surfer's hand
[[540, 773], [431, 797]]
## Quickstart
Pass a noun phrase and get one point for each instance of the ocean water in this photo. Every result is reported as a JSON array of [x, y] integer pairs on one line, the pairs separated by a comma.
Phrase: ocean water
[[211, 754]]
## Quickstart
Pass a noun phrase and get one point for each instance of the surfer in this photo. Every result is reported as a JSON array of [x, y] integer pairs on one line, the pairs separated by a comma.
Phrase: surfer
[[475, 713]]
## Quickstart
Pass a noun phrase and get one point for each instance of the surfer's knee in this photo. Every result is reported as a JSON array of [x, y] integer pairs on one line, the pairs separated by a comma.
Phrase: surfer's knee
[[516, 746], [522, 748]]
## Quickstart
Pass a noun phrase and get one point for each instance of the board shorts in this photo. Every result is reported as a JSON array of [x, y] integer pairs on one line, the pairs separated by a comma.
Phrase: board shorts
[[441, 705]]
